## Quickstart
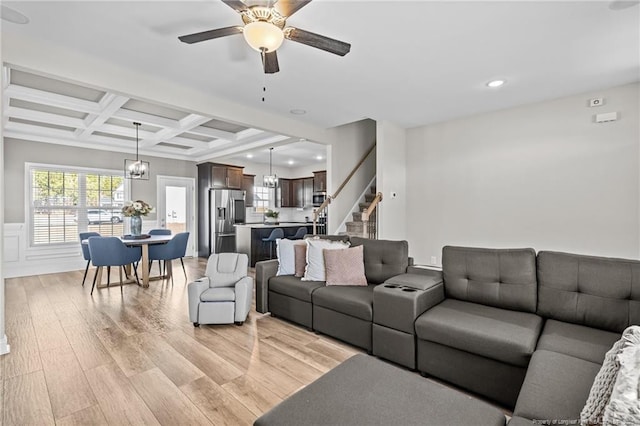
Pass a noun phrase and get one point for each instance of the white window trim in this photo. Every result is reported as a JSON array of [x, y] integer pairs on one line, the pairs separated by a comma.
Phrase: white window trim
[[27, 198]]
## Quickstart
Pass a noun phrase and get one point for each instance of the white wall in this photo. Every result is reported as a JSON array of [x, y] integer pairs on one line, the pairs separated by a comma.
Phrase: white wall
[[542, 175], [391, 178], [349, 143]]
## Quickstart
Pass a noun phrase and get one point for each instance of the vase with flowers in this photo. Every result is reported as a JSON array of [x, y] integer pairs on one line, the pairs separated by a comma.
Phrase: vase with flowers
[[271, 216], [134, 210]]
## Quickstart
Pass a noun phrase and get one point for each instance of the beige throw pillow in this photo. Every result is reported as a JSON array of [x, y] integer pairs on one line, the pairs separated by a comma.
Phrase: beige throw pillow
[[345, 267], [300, 256]]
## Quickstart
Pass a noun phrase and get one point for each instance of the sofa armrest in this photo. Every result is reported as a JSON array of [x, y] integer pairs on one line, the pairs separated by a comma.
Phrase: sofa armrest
[[264, 270], [194, 290], [244, 294]]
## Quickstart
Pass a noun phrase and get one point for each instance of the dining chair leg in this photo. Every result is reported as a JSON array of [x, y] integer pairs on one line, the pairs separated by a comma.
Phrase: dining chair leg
[[120, 274], [108, 276], [160, 268], [85, 272], [135, 271], [95, 277], [150, 265], [183, 270]]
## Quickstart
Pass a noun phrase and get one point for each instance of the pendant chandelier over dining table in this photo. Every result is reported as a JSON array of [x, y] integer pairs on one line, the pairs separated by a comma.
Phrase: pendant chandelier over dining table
[[136, 169]]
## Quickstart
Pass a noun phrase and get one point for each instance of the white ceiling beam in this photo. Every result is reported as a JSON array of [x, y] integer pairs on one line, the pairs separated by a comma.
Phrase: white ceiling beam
[[144, 118], [124, 131], [17, 131], [274, 140], [52, 99], [213, 133], [249, 133], [109, 104], [44, 117], [184, 125]]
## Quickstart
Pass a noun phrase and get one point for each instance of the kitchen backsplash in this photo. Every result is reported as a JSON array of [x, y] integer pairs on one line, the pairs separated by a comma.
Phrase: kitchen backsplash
[[286, 215]]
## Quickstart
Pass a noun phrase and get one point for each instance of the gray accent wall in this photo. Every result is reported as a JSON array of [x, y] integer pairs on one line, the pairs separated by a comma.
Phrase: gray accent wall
[[541, 175], [18, 152]]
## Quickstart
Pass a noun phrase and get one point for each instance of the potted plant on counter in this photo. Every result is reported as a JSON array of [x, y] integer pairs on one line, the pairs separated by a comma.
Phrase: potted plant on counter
[[271, 216]]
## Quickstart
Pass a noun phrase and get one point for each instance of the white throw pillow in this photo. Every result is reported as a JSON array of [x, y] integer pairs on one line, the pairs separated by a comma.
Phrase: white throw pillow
[[286, 256], [315, 270]]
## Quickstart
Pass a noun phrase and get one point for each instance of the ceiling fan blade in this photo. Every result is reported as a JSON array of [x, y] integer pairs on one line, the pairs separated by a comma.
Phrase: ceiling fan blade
[[211, 34], [236, 5], [270, 62], [287, 8], [318, 41]]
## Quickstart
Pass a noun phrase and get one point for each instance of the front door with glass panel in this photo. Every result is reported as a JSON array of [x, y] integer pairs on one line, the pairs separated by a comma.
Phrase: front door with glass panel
[[175, 210]]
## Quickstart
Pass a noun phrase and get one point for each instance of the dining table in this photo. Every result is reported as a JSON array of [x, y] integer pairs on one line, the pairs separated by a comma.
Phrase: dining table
[[144, 244]]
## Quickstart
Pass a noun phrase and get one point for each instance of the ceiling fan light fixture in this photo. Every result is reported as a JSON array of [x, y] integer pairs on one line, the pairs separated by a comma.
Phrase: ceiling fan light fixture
[[263, 36]]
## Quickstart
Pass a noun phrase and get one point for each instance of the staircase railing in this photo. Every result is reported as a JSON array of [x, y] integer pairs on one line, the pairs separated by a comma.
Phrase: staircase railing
[[370, 228], [329, 198]]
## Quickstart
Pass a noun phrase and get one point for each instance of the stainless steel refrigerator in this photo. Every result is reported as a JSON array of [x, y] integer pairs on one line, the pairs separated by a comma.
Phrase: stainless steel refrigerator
[[226, 209]]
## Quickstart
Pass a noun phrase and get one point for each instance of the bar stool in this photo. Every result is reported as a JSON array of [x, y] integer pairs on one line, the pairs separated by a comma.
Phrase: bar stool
[[300, 233], [277, 233]]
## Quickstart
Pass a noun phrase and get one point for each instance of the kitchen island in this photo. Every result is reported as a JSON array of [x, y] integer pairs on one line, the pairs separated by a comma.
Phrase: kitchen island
[[249, 238]]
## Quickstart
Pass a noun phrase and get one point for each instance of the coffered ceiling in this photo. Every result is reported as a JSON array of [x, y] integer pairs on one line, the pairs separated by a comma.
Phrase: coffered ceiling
[[46, 109]]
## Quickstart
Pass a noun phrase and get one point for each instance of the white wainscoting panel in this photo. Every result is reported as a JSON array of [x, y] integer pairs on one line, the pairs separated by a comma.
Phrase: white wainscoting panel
[[20, 260]]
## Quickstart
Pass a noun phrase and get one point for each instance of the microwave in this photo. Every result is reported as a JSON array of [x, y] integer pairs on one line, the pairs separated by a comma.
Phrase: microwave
[[318, 198]]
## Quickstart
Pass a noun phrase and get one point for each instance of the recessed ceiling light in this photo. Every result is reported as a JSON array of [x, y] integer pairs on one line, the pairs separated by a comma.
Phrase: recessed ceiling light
[[10, 15], [290, 162], [249, 155], [496, 83], [298, 111], [318, 157]]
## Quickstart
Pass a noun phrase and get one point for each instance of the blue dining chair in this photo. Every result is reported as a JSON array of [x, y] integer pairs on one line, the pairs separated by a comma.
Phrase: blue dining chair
[[300, 233], [277, 233], [85, 251], [158, 231], [111, 251], [176, 248]]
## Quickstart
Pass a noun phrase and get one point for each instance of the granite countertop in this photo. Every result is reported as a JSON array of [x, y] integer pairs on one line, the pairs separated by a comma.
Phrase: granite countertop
[[273, 225]]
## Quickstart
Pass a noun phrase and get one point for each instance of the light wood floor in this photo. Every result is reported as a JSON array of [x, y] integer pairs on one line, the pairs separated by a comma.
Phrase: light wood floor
[[135, 359]]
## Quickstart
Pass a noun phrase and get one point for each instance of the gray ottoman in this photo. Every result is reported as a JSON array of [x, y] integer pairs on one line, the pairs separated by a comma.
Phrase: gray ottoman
[[366, 391]]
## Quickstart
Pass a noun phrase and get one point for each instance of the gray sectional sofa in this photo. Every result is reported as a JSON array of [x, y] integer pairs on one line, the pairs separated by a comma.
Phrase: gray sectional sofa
[[528, 331], [345, 313]]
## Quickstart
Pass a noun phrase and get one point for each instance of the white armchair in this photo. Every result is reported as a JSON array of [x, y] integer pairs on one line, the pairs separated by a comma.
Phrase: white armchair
[[224, 294]]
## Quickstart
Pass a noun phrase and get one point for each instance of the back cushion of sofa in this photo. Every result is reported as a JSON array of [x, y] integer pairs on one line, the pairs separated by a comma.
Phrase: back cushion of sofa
[[503, 278], [594, 291], [383, 259]]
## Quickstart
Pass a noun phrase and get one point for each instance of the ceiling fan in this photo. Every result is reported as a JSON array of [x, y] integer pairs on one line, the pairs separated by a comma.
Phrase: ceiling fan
[[264, 30]]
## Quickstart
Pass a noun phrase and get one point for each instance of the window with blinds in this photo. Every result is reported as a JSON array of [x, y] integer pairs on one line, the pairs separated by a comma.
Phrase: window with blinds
[[66, 201]]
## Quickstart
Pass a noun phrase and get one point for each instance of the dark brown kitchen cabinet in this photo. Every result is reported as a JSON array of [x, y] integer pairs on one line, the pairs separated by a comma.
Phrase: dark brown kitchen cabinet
[[224, 177], [285, 198], [320, 181], [307, 185], [247, 187], [297, 193]]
